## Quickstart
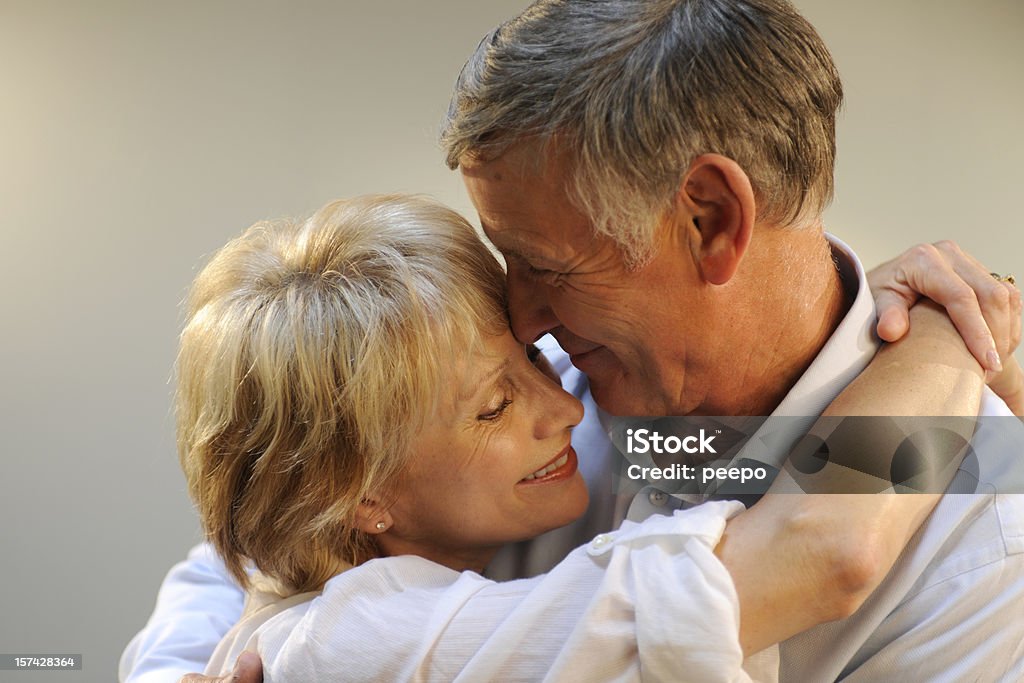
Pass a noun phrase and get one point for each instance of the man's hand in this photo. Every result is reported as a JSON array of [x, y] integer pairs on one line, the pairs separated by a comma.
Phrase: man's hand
[[986, 311], [248, 669]]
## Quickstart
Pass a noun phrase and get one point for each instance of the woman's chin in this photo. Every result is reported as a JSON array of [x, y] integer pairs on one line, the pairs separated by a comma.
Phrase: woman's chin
[[570, 504]]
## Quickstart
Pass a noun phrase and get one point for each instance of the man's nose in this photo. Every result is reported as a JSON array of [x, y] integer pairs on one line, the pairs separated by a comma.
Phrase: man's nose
[[529, 306]]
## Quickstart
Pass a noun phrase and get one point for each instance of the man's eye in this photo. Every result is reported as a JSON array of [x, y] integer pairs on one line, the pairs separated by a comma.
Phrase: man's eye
[[533, 272], [540, 273], [496, 412]]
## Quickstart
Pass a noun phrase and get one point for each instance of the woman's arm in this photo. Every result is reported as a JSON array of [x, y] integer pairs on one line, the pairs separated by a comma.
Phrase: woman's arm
[[628, 601], [800, 560], [197, 604]]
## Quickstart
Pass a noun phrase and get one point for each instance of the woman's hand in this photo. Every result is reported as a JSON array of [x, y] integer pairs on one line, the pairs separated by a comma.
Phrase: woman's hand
[[1009, 386], [986, 311], [248, 669]]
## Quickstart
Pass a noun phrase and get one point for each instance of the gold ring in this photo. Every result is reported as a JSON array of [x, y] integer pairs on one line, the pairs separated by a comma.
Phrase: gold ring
[[1004, 278]]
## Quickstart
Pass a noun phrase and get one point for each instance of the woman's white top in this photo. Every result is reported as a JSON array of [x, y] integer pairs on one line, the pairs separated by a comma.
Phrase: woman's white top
[[648, 601]]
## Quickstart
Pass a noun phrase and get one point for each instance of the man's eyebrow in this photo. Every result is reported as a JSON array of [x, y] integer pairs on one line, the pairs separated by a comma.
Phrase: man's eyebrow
[[524, 250], [509, 240]]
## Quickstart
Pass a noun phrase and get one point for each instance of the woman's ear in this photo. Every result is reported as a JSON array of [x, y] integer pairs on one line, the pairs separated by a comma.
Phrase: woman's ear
[[372, 517], [717, 196]]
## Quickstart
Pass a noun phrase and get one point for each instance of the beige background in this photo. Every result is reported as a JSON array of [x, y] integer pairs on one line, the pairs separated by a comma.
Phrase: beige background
[[136, 137]]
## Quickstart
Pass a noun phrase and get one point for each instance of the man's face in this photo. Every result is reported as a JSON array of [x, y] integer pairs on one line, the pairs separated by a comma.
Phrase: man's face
[[633, 332]]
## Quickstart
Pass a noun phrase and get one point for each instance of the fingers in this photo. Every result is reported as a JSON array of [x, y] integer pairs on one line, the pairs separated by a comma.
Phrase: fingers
[[1016, 310], [893, 317], [947, 276], [995, 299], [1009, 386], [985, 310], [248, 669], [893, 299]]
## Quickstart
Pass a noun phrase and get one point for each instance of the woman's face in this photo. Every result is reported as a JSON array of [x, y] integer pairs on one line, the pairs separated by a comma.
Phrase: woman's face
[[494, 465]]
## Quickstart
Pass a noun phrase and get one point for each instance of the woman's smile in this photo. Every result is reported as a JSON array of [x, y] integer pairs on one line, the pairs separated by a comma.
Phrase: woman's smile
[[562, 467]]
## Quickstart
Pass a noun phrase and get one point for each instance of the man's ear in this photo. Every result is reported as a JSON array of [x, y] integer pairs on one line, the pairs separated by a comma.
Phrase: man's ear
[[717, 196], [372, 517]]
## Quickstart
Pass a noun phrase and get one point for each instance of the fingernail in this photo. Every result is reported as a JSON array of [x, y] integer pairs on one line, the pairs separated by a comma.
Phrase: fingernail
[[993, 361]]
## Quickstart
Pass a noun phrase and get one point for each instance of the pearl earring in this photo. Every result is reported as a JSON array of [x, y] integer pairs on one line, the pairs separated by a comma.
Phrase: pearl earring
[[382, 525]]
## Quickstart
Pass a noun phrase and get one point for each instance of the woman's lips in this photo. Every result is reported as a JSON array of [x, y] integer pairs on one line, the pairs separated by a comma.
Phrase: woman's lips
[[561, 467]]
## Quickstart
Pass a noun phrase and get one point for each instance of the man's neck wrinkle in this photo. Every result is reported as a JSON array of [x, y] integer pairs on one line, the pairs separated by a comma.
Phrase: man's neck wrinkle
[[795, 302]]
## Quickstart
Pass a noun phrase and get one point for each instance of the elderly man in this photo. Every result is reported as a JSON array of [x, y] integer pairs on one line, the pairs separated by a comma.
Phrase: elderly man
[[654, 173]]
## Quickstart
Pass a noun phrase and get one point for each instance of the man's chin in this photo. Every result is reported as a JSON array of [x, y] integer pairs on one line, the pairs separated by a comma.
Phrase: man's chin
[[614, 390], [616, 396]]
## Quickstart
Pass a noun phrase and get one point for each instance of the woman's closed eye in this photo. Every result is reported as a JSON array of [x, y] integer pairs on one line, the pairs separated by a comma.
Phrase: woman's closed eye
[[496, 412]]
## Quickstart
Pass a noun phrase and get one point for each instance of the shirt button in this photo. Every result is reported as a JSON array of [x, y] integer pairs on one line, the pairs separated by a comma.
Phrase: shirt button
[[601, 541], [657, 498]]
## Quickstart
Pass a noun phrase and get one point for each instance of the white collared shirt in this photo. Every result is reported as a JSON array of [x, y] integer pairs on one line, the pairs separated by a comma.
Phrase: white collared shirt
[[952, 609], [597, 616]]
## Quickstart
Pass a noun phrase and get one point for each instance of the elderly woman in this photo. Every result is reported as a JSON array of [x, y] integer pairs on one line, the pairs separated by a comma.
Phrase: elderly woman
[[361, 433]]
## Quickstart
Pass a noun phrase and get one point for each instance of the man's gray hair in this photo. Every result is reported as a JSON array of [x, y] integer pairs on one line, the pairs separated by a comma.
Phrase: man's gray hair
[[634, 90]]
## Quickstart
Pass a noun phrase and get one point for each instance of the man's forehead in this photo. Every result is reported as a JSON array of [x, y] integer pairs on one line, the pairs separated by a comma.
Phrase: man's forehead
[[536, 236], [523, 210], [527, 158]]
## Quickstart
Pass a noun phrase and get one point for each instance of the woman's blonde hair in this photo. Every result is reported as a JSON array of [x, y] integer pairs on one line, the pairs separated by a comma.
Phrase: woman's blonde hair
[[311, 354]]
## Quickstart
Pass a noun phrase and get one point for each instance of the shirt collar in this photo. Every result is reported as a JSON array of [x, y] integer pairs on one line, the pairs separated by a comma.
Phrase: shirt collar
[[844, 356]]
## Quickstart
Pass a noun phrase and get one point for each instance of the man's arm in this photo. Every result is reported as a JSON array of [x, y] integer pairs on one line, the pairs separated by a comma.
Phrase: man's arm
[[198, 603]]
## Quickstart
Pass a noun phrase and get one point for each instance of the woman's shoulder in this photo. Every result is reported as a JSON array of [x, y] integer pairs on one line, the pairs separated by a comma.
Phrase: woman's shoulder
[[398, 570], [361, 615]]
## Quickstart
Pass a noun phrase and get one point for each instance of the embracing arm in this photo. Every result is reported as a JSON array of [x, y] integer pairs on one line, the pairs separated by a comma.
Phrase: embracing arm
[[802, 559], [630, 600], [844, 578], [984, 307], [197, 604]]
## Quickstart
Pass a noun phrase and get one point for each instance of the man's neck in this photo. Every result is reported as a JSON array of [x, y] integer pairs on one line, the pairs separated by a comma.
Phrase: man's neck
[[790, 301]]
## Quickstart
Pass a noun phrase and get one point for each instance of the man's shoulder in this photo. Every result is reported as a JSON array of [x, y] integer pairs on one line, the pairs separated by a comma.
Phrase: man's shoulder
[[981, 518], [993, 465]]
